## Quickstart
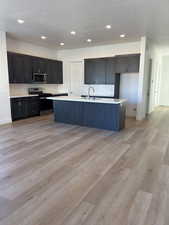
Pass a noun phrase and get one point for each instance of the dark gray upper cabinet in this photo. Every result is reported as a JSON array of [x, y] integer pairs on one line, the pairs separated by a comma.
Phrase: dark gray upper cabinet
[[110, 70], [39, 65], [134, 63], [10, 67], [59, 72], [55, 72], [27, 69], [52, 72], [89, 71], [21, 68], [128, 63], [121, 64], [18, 68], [95, 71], [100, 71], [103, 70]]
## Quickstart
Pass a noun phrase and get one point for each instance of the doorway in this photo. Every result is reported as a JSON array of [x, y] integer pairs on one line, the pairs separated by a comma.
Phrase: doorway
[[76, 78]]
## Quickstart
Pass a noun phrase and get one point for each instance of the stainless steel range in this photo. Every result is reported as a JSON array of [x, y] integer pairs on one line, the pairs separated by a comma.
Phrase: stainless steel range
[[46, 105]]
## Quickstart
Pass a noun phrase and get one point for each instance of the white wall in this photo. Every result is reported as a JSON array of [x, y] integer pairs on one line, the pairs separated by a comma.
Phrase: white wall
[[155, 77], [162, 70], [5, 111], [164, 90], [159, 75], [143, 87], [22, 89], [34, 50], [30, 49]]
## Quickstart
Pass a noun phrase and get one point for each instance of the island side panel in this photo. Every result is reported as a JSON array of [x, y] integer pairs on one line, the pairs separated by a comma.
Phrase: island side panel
[[122, 118], [68, 112], [104, 116]]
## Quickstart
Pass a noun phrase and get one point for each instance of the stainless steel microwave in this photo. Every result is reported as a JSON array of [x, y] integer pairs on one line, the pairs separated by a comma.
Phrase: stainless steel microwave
[[39, 78]]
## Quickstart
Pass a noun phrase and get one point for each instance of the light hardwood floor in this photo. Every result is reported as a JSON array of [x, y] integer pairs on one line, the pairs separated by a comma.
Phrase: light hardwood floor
[[58, 174]]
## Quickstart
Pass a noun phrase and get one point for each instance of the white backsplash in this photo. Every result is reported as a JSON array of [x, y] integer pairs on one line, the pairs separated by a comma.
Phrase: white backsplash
[[22, 89], [100, 90]]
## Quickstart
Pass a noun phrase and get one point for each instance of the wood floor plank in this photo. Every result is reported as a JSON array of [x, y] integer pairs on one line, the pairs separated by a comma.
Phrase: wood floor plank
[[138, 211], [158, 208], [79, 215]]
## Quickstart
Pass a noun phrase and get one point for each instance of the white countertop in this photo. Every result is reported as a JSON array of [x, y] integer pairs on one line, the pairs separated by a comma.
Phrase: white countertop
[[23, 96], [82, 99]]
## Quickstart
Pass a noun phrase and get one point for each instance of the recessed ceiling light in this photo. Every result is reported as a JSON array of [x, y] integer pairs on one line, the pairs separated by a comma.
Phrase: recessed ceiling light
[[73, 32], [20, 21], [62, 43], [89, 40], [122, 35], [108, 26], [43, 37]]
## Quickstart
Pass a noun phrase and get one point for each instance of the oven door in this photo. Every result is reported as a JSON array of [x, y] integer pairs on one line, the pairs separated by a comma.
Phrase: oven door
[[39, 78], [45, 104]]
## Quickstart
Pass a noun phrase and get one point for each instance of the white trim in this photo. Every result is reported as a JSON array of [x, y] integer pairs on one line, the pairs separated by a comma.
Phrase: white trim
[[5, 121]]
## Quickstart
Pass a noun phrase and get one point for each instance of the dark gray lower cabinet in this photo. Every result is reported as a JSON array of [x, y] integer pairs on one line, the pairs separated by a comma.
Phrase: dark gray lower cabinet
[[33, 106], [24, 107], [18, 109], [98, 115]]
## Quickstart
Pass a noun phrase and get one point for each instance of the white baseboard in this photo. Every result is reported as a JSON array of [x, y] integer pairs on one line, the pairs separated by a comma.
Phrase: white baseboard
[[5, 121]]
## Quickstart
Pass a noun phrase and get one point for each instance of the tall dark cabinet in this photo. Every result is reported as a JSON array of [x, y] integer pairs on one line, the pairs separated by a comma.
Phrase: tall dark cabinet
[[110, 70]]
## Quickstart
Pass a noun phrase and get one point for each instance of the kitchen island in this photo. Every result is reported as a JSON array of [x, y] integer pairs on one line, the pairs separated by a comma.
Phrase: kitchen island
[[92, 112]]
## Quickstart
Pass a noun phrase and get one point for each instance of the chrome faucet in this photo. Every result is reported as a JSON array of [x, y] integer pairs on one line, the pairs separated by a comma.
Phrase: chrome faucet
[[91, 88]]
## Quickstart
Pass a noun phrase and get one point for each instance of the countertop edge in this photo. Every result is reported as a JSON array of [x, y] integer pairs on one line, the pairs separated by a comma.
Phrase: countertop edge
[[35, 95], [23, 96], [88, 100]]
